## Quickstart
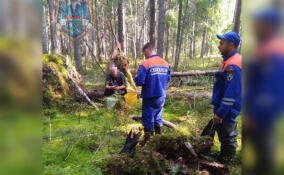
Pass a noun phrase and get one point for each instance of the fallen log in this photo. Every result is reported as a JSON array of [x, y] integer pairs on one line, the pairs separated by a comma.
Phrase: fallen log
[[189, 95], [194, 89], [194, 73], [82, 93], [190, 148], [185, 74], [165, 122], [70, 74]]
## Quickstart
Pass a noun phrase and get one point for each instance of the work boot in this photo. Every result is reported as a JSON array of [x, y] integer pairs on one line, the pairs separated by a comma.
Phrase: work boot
[[226, 157], [158, 129], [147, 136]]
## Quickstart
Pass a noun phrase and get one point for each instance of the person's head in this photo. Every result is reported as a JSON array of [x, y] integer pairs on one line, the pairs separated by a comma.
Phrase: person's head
[[113, 70], [229, 43], [124, 66], [148, 49], [267, 23]]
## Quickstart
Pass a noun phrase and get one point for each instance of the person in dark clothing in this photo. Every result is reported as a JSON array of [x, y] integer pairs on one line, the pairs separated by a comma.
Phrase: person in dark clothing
[[115, 82]]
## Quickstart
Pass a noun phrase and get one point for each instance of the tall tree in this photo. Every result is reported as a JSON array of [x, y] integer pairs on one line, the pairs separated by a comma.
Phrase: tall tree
[[180, 38], [78, 54], [178, 33], [100, 54], [152, 21], [193, 35], [52, 27], [167, 42], [205, 32], [161, 27], [134, 38], [44, 32], [120, 23], [237, 18]]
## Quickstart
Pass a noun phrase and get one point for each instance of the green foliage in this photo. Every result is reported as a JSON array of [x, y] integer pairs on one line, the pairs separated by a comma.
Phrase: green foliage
[[97, 153], [51, 58], [85, 141]]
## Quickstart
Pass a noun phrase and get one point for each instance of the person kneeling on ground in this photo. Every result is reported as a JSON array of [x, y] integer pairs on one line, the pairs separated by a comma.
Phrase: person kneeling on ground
[[115, 82]]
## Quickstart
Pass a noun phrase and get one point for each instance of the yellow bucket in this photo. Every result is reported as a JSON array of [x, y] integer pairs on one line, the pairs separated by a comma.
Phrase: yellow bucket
[[131, 98]]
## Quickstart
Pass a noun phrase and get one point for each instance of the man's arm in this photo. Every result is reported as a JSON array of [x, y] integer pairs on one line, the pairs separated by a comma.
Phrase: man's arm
[[110, 87], [141, 76], [232, 92], [108, 84], [169, 75], [123, 79]]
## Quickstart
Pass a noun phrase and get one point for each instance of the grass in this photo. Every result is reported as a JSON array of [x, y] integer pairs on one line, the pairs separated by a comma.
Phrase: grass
[[72, 151], [82, 139]]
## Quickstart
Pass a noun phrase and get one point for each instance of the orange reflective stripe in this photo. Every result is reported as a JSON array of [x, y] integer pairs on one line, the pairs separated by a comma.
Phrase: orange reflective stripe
[[233, 60], [154, 61], [274, 46]]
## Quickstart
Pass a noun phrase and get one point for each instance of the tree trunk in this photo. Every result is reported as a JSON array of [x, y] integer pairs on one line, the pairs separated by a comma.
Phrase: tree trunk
[[99, 43], [178, 34], [167, 43], [52, 27], [62, 45], [87, 53], [161, 28], [78, 54], [44, 32], [134, 40], [237, 20], [120, 23], [193, 37], [194, 73], [182, 29], [152, 22], [165, 122], [204, 40], [180, 38]]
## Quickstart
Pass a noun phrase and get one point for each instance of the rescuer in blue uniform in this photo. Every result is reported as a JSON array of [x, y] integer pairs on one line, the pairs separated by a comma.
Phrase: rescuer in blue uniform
[[153, 75], [263, 89], [226, 97]]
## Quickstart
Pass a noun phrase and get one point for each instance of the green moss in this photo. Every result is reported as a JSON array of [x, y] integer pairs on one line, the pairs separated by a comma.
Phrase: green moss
[[99, 136], [52, 58], [147, 162]]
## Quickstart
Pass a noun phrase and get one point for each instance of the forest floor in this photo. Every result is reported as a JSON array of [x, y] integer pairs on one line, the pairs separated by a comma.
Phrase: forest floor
[[84, 141]]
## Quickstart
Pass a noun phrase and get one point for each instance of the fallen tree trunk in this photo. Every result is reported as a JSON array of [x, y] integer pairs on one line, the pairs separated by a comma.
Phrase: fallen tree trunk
[[189, 95], [185, 74], [194, 89], [81, 92], [194, 73], [70, 73], [165, 122]]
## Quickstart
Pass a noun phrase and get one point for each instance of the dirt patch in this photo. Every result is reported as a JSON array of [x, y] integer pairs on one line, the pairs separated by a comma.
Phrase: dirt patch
[[97, 95]]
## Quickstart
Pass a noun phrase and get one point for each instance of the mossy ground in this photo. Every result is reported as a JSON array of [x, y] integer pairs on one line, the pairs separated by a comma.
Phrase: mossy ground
[[85, 141]]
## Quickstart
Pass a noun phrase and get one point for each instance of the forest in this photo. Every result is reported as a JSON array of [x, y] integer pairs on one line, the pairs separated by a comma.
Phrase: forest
[[82, 134]]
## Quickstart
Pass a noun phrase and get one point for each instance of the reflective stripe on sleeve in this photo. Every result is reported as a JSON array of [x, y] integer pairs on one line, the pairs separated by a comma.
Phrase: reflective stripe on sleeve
[[227, 103]]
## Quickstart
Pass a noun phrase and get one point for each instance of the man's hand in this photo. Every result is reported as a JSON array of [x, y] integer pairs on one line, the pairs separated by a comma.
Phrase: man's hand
[[110, 87], [120, 87], [217, 119]]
